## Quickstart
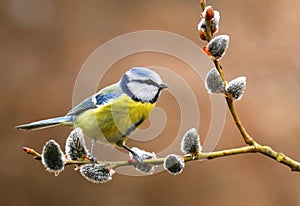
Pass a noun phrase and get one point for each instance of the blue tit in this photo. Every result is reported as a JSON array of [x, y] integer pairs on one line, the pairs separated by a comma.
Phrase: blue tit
[[115, 112]]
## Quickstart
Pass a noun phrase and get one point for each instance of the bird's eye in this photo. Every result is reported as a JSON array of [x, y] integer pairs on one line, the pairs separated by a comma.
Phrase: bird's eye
[[149, 81]]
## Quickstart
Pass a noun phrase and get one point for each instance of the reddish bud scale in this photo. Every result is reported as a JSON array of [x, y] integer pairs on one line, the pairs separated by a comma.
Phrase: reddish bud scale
[[27, 150], [205, 49], [202, 35], [87, 157], [132, 161], [209, 14]]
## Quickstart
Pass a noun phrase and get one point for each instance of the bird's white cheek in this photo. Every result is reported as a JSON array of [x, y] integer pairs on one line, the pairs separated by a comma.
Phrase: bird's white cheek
[[143, 91]]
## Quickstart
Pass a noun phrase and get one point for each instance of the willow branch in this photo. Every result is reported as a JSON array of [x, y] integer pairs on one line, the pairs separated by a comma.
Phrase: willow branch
[[265, 150], [279, 157]]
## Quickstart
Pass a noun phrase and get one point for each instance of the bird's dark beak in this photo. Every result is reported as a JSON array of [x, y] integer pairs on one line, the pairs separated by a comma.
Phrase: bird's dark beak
[[163, 86]]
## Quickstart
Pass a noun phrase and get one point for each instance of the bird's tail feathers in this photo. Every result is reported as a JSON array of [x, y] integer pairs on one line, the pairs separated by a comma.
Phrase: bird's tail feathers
[[66, 120]]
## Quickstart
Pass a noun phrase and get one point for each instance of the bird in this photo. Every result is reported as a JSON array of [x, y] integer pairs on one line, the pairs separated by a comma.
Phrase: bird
[[112, 114]]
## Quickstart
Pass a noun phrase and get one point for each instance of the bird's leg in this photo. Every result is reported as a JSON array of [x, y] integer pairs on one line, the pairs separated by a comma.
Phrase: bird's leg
[[91, 156], [129, 150], [92, 147]]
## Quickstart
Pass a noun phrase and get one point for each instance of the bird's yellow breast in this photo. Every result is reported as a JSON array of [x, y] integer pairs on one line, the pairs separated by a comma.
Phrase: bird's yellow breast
[[114, 121]]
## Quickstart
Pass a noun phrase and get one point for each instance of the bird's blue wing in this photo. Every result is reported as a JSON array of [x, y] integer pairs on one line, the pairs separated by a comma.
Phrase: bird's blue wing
[[86, 104], [104, 96]]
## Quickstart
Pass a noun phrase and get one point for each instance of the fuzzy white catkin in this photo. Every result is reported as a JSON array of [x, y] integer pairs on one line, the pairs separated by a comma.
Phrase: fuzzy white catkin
[[236, 87], [218, 45], [174, 164], [143, 155], [52, 157], [97, 173], [213, 82], [190, 143], [75, 145]]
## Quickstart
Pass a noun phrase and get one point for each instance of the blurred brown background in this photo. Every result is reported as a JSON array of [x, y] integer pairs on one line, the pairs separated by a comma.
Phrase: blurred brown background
[[45, 43]]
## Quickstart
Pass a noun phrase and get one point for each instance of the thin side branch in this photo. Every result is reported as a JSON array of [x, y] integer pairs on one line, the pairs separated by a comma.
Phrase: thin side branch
[[203, 4], [265, 150]]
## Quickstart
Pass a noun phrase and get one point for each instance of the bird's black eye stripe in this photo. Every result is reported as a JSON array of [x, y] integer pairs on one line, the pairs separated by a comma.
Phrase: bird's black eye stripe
[[147, 81]]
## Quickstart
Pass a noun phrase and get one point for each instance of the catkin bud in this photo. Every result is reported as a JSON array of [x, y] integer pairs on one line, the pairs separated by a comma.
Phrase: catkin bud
[[52, 157], [214, 25], [75, 145], [213, 82], [236, 88], [97, 173], [190, 143], [174, 164], [208, 13], [217, 46], [143, 155]]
